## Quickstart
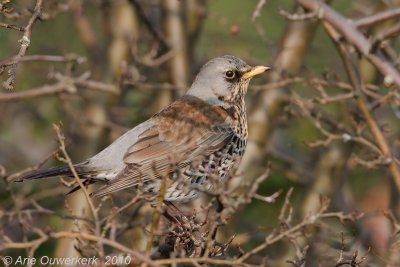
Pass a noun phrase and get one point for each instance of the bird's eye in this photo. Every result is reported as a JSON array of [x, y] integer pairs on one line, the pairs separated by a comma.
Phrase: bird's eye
[[230, 74]]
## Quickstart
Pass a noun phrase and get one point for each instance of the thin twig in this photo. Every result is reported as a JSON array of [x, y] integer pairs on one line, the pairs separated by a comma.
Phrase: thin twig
[[159, 38], [357, 83], [257, 10], [64, 234], [388, 33], [107, 242], [376, 18], [25, 42], [277, 84], [45, 90], [65, 85], [9, 26], [355, 37], [299, 16], [93, 210], [50, 58]]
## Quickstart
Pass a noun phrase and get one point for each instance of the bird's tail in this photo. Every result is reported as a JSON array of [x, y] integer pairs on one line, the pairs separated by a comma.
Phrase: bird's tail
[[51, 172], [45, 173], [81, 171]]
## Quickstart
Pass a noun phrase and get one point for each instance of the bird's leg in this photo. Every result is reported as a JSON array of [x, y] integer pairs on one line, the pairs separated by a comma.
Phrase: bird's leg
[[169, 217], [175, 215], [220, 205], [218, 220]]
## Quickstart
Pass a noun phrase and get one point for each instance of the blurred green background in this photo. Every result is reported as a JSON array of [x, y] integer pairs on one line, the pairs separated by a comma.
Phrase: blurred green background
[[27, 136]]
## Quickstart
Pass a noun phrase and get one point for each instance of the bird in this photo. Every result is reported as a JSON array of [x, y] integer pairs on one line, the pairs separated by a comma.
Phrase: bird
[[202, 134]]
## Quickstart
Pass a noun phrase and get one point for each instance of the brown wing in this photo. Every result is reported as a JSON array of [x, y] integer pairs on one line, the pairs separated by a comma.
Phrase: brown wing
[[186, 131]]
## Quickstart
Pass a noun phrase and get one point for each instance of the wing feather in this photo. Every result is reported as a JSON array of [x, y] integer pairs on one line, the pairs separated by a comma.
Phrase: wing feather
[[176, 138]]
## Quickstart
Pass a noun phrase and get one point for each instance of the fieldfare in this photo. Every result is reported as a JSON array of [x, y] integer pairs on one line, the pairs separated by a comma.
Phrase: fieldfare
[[201, 134]]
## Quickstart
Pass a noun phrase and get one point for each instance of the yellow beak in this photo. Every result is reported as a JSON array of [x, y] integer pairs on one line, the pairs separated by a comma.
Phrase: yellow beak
[[255, 71]]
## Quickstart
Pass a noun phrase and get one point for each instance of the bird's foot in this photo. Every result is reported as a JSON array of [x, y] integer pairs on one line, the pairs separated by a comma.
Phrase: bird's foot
[[175, 215]]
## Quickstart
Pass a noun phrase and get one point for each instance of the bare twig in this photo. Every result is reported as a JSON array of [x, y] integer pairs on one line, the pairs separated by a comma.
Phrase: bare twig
[[15, 176], [63, 234], [257, 10], [355, 37], [361, 102], [41, 210], [376, 18], [65, 85], [300, 16], [309, 220], [9, 26], [388, 33], [156, 214], [153, 31], [25, 42], [277, 84], [45, 90], [93, 210], [107, 242], [50, 58]]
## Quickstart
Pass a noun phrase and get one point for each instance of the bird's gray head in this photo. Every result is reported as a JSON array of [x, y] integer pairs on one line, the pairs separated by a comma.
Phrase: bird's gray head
[[223, 80]]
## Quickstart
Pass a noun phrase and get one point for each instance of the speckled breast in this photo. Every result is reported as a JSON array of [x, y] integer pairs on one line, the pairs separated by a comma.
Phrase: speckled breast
[[209, 172]]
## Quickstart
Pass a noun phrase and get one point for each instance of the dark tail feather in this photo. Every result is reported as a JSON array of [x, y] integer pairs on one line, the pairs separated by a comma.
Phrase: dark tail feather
[[65, 171], [52, 172]]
